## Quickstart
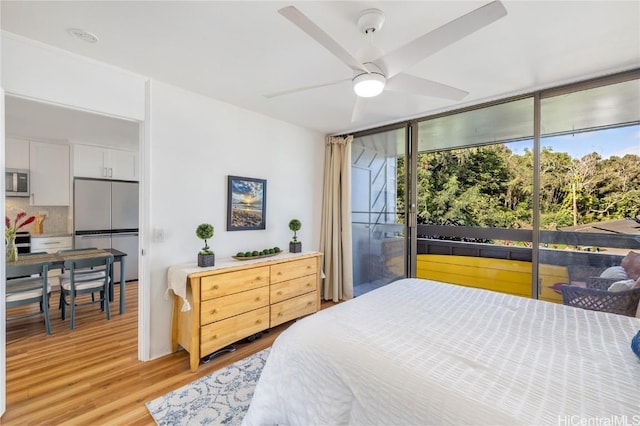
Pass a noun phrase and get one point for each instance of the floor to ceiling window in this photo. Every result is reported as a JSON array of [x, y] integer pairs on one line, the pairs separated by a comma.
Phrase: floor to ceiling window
[[502, 201], [589, 184], [474, 193]]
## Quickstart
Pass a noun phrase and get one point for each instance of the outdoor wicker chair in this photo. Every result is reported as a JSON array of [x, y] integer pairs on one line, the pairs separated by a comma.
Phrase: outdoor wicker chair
[[596, 299]]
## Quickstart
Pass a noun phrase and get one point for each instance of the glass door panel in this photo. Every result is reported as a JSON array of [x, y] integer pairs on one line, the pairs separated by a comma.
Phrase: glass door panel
[[377, 204], [589, 190]]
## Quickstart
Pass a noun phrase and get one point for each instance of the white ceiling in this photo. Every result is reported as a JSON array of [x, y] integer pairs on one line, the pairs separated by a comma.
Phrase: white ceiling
[[239, 51]]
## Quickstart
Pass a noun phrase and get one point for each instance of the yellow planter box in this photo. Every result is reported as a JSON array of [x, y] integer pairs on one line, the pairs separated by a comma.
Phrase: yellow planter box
[[506, 276]]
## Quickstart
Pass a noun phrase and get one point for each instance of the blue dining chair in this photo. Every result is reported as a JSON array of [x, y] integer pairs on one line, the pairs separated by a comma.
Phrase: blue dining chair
[[86, 275], [29, 284]]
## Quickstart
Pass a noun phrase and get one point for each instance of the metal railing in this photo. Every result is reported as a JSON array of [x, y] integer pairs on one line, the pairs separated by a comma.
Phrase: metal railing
[[478, 242]]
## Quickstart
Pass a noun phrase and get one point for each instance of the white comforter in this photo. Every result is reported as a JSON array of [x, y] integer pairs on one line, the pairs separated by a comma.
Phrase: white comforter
[[423, 352]]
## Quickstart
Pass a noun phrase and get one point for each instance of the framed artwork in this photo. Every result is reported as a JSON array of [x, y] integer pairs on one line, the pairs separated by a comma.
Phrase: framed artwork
[[246, 203]]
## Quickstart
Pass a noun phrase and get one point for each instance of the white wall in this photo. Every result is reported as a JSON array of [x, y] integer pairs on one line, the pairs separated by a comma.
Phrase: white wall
[[192, 143], [195, 143], [38, 71]]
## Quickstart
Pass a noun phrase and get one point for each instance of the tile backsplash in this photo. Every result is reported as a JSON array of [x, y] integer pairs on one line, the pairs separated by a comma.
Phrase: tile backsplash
[[58, 220]]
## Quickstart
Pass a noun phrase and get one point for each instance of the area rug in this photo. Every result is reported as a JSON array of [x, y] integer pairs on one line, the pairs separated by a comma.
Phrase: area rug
[[222, 397]]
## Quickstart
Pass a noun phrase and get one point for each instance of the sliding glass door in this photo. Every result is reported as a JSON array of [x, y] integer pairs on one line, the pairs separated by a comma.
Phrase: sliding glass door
[[475, 197], [378, 209], [512, 196]]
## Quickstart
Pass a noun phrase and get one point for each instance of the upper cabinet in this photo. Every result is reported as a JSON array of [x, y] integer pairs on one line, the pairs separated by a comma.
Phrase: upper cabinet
[[16, 154], [104, 163], [49, 174], [49, 169]]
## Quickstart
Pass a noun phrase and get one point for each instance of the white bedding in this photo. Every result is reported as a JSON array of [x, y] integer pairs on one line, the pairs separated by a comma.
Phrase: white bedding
[[423, 352]]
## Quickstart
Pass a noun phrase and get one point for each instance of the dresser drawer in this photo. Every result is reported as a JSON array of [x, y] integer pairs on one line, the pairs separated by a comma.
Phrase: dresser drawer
[[227, 306], [294, 308], [219, 334], [292, 288], [233, 282], [295, 269]]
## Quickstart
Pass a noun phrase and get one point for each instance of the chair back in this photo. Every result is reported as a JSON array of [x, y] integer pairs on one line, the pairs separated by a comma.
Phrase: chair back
[[87, 270], [616, 302], [17, 271], [29, 284]]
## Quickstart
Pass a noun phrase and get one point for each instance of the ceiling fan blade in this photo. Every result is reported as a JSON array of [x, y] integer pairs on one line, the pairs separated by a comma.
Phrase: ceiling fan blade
[[420, 86], [426, 45], [358, 109], [318, 34], [302, 89]]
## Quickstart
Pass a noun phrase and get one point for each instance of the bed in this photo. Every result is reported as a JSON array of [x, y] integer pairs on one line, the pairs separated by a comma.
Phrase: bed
[[425, 352]]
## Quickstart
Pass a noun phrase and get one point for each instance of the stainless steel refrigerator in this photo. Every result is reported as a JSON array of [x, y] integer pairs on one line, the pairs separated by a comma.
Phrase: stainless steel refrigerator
[[105, 215]]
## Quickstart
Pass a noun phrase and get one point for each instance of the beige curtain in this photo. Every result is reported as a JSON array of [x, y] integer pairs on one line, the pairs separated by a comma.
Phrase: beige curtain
[[335, 233]]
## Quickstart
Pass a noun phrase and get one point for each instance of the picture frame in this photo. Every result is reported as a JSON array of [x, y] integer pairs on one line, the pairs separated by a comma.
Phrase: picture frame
[[246, 203]]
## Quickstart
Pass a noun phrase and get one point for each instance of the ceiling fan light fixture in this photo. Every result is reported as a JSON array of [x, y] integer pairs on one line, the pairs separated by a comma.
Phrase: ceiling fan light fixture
[[369, 85]]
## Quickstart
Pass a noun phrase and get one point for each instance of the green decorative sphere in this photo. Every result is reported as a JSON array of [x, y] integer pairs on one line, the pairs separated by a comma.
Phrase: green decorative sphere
[[204, 231], [295, 225]]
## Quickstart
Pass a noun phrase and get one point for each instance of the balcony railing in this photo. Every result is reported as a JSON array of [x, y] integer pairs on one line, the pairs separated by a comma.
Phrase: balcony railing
[[475, 241]]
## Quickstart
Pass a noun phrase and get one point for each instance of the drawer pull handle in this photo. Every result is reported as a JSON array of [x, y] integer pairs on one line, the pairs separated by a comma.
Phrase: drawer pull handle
[[259, 321], [308, 284], [279, 293], [309, 303], [258, 278], [258, 299], [279, 314], [214, 337], [215, 287], [215, 311], [279, 273]]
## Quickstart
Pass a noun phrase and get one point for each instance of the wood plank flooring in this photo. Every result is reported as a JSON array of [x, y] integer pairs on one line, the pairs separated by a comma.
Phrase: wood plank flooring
[[91, 375]]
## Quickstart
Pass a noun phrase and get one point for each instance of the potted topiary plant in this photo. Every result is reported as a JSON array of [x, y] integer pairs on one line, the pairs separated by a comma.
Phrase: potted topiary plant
[[206, 257], [295, 246]]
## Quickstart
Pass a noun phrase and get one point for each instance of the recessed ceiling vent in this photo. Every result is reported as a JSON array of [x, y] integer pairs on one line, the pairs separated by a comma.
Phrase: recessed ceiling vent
[[83, 35]]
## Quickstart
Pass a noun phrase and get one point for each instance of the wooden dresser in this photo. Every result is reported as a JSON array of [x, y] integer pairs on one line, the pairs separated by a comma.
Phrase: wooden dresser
[[237, 299]]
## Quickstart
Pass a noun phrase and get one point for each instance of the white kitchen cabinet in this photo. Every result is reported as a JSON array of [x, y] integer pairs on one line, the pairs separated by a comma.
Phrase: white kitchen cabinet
[[16, 152], [51, 244], [49, 174], [105, 163]]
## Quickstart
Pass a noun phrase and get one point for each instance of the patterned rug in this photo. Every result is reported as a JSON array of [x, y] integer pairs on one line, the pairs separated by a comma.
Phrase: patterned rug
[[222, 397]]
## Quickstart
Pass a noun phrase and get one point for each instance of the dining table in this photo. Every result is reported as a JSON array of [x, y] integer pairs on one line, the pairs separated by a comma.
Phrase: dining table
[[57, 261]]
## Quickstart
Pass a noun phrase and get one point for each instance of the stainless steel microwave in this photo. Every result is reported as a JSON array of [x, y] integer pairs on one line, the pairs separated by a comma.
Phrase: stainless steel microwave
[[16, 182]]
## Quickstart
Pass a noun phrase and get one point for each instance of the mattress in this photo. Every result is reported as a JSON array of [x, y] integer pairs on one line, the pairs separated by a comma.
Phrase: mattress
[[425, 352]]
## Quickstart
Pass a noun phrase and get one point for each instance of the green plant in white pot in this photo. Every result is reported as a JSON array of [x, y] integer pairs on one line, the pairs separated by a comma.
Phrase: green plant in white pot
[[295, 246], [206, 257]]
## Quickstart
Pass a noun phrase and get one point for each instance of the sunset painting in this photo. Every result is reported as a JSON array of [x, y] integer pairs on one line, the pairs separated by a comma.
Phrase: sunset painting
[[246, 203]]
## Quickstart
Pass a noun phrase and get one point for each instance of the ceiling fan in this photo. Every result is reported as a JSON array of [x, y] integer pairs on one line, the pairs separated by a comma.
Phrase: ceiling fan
[[376, 71]]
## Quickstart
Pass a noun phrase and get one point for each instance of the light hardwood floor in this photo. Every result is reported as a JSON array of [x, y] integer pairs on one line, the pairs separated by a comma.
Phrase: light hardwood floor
[[91, 375]]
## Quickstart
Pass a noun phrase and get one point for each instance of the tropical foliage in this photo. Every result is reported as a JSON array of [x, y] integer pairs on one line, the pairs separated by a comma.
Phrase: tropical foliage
[[490, 186]]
